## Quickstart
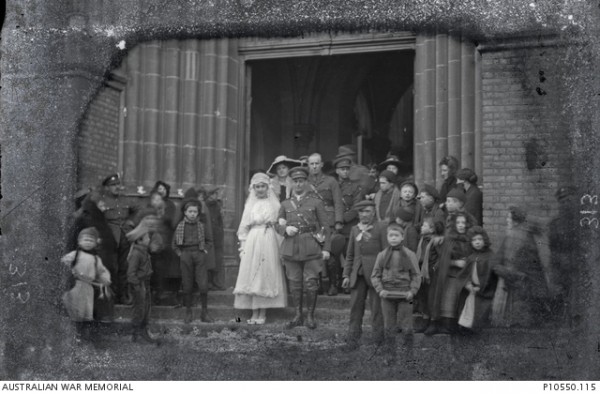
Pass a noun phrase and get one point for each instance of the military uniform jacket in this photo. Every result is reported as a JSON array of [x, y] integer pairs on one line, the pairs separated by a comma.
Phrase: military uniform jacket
[[351, 194], [309, 216], [327, 189], [118, 211], [361, 254]]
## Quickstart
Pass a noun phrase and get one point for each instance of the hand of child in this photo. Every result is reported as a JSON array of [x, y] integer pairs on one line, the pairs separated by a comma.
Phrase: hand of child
[[291, 230], [325, 255], [178, 252], [345, 283], [409, 296], [384, 294], [282, 222]]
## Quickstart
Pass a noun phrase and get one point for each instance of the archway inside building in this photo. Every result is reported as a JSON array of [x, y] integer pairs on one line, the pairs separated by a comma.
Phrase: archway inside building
[[301, 105]]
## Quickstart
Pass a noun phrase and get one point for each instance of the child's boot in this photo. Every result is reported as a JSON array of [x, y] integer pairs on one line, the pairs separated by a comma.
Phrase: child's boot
[[204, 317]]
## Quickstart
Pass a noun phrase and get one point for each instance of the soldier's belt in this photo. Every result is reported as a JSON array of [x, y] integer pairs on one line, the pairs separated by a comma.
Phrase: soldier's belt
[[305, 229]]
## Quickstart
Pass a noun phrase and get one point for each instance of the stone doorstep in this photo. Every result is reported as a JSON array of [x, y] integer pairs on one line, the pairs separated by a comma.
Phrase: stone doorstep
[[226, 313]]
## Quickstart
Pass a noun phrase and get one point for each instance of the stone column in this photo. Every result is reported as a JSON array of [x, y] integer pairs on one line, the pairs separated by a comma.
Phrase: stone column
[[446, 103], [48, 78]]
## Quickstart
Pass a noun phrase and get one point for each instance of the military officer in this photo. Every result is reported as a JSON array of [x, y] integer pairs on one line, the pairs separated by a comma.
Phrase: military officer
[[118, 212], [351, 195], [303, 223]]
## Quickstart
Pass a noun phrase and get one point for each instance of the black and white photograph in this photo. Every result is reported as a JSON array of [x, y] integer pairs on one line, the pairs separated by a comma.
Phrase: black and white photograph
[[266, 190]]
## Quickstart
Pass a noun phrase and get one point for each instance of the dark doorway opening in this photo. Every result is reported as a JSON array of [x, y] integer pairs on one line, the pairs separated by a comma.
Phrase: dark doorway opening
[[302, 105]]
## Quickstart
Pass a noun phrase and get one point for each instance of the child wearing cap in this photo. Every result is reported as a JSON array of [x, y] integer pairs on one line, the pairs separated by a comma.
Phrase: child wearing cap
[[139, 272], [396, 279], [408, 199], [455, 203], [387, 198], [429, 199], [191, 243], [90, 276]]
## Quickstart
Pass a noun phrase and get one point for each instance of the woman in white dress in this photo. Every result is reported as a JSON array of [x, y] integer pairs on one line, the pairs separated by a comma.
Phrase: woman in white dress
[[260, 282]]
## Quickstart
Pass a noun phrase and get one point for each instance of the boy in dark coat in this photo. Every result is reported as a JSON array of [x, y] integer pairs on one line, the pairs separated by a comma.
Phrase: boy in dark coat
[[366, 240], [396, 279], [139, 272], [429, 198]]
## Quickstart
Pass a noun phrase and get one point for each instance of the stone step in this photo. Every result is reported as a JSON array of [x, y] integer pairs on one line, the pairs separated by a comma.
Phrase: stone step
[[226, 297], [226, 313]]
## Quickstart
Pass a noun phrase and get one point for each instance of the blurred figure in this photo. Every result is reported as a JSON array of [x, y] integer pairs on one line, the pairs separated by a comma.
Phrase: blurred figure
[[521, 297]]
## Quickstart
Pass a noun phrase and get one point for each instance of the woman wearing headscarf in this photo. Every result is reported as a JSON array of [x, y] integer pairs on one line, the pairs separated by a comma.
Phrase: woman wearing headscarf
[[521, 296], [260, 282]]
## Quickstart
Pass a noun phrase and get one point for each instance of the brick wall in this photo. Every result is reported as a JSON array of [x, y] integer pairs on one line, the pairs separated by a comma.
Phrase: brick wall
[[99, 138], [522, 104]]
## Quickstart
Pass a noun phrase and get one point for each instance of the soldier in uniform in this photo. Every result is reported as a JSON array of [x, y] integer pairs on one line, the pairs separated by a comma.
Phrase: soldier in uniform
[[326, 189], [303, 223], [118, 212], [351, 195]]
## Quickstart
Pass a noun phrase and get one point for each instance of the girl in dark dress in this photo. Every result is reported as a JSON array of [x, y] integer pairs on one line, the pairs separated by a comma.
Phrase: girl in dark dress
[[447, 283]]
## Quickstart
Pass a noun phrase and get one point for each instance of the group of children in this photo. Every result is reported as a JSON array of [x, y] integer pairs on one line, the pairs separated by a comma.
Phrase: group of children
[[433, 274], [92, 279]]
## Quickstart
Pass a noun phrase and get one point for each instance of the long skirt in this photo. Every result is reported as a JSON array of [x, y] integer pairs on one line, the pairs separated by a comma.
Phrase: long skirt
[[260, 282]]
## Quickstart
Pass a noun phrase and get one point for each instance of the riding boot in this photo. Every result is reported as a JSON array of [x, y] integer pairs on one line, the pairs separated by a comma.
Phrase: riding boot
[[204, 317], [311, 304], [297, 298], [332, 273]]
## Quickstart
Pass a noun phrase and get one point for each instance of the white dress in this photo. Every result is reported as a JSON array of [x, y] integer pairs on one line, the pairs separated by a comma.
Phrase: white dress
[[260, 282]]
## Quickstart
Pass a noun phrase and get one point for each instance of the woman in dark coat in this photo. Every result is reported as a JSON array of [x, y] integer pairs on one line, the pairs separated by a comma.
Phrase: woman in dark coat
[[521, 296], [448, 167], [474, 203], [215, 208]]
